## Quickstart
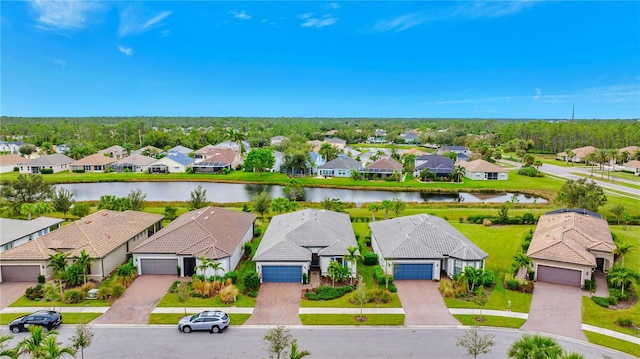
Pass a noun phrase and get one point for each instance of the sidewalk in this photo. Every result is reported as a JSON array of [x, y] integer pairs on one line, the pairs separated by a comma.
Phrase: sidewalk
[[9, 310], [611, 333]]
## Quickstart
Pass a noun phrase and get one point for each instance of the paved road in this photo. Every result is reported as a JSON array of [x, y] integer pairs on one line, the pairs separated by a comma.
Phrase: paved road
[[322, 342]]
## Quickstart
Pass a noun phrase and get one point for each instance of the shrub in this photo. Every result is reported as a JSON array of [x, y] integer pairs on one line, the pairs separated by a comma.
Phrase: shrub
[[257, 232], [601, 301], [527, 286], [328, 293], [305, 278], [87, 287], [174, 286], [512, 283], [229, 294], [392, 288], [104, 292], [78, 171], [625, 322], [528, 171], [590, 285], [612, 300], [489, 278], [487, 222], [247, 248], [233, 275], [378, 295], [379, 276], [370, 259], [367, 239], [40, 279], [117, 290], [251, 281], [528, 218], [16, 169], [617, 294], [34, 292], [73, 296], [252, 294], [46, 171]]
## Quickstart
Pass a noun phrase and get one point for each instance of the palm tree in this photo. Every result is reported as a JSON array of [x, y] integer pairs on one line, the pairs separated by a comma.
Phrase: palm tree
[[571, 355], [236, 137], [620, 277], [6, 353], [216, 266], [352, 258], [328, 152], [602, 157], [622, 250], [84, 260], [387, 205], [295, 353], [58, 262], [458, 172], [590, 159], [204, 265], [570, 156], [472, 276], [533, 347], [373, 208], [51, 350], [34, 344], [522, 261]]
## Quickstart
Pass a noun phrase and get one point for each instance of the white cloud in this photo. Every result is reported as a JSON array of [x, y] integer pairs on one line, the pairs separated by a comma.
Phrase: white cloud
[[399, 23], [333, 6], [306, 15], [125, 50], [131, 22], [313, 22], [59, 62], [538, 94], [242, 15], [63, 15]]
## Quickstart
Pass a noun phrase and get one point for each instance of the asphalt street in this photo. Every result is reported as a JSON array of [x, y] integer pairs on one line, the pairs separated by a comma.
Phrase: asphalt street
[[323, 342]]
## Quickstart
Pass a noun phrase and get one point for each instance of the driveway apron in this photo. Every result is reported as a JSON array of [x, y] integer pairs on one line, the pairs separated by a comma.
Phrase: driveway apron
[[423, 304], [137, 302], [277, 304], [556, 309], [11, 291]]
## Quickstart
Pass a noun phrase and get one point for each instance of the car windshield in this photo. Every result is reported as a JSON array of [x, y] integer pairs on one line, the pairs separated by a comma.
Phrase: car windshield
[[193, 317]]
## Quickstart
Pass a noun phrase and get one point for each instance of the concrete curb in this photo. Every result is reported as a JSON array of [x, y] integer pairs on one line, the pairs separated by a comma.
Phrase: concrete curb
[[494, 313], [611, 333]]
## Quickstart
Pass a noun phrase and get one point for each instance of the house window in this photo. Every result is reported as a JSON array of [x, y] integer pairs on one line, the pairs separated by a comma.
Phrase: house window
[[339, 260], [87, 168], [457, 267]]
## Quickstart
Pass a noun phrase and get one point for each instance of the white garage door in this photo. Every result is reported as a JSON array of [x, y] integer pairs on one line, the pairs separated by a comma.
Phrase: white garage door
[[16, 273], [559, 275], [158, 266]]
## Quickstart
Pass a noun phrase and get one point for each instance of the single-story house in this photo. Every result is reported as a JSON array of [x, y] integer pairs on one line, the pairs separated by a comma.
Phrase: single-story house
[[173, 162], [315, 160], [441, 166], [579, 154], [117, 152], [18, 231], [412, 151], [234, 145], [483, 170], [150, 151], [336, 142], [276, 140], [96, 162], [633, 166], [410, 137], [631, 150], [105, 235], [421, 246], [339, 167], [379, 136], [217, 159], [180, 149], [384, 167], [569, 244], [9, 162], [57, 162], [296, 242], [455, 149], [218, 234], [133, 163]]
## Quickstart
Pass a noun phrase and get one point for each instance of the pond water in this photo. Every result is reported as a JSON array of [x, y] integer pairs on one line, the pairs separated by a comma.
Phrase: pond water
[[233, 192]]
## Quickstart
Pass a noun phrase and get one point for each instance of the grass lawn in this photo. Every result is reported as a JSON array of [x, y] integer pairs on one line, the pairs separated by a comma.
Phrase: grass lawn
[[490, 321], [613, 343], [164, 318], [630, 235], [24, 302], [606, 318], [171, 300], [349, 319], [67, 318], [343, 302]]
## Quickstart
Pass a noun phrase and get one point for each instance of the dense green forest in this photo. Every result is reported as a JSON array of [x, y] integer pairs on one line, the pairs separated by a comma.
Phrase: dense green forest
[[92, 133]]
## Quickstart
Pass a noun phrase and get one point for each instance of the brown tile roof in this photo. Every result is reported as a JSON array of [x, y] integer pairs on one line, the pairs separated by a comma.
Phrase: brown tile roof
[[94, 159], [570, 237], [580, 152], [136, 160], [480, 166], [98, 234], [211, 231], [221, 155], [204, 149], [631, 149], [386, 164], [12, 159], [633, 164], [414, 151]]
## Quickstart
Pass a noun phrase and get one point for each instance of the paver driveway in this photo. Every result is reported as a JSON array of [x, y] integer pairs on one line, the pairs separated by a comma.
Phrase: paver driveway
[[11, 291], [556, 309], [423, 304], [138, 301], [277, 304]]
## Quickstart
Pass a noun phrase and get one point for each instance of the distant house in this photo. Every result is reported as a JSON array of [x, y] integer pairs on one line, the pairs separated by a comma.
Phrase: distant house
[[200, 154], [218, 234], [410, 136], [17, 231], [234, 145], [133, 163], [93, 163], [462, 153], [568, 244], [276, 140], [339, 167], [62, 148], [316, 160], [117, 152], [379, 136], [631, 150], [216, 160], [9, 162], [336, 142], [181, 149], [105, 235], [278, 161], [149, 151], [441, 166], [483, 170], [11, 146], [56, 162], [633, 167], [173, 162], [382, 168], [413, 151], [580, 154]]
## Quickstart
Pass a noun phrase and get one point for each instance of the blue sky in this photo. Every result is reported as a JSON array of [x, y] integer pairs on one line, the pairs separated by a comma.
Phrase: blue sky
[[456, 59]]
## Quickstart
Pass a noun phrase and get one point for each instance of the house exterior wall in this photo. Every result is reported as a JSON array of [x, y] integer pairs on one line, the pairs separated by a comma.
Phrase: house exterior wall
[[634, 170], [90, 168], [481, 176], [138, 256], [8, 168], [25, 168], [305, 266], [44, 270], [586, 270], [449, 265], [112, 261], [326, 260], [172, 166], [239, 250], [224, 267], [24, 239]]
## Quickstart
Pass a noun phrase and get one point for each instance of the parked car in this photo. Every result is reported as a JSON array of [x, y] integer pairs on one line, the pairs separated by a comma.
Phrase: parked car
[[47, 319], [215, 321]]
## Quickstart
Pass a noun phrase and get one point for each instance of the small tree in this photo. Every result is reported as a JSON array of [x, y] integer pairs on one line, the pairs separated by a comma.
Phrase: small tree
[[360, 296], [387, 205], [398, 206], [280, 205], [622, 249], [373, 208], [259, 160], [137, 199], [182, 290], [582, 194], [198, 198], [480, 298], [278, 341], [294, 189], [82, 338], [475, 342], [62, 200], [261, 202], [170, 213], [80, 209]]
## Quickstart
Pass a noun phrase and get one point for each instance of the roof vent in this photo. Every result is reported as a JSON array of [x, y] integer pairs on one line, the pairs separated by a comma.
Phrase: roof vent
[[206, 217]]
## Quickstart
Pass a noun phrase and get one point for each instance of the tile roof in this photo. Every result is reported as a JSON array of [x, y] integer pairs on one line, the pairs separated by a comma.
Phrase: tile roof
[[94, 159], [481, 166], [633, 164], [180, 149], [98, 234], [12, 159], [55, 159], [631, 149], [342, 163], [580, 152], [384, 164], [135, 159], [219, 155], [422, 236], [12, 229], [177, 157], [569, 237], [289, 235], [210, 231]]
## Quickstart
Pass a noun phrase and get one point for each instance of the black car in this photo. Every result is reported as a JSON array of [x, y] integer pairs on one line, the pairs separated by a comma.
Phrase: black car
[[47, 319]]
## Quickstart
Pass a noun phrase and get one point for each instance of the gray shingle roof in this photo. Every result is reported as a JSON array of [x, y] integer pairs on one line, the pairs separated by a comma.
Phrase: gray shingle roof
[[289, 235], [55, 159], [12, 229], [422, 236], [341, 163]]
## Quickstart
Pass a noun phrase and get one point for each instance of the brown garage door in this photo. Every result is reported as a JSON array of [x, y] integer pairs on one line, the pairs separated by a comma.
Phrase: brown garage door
[[15, 273], [559, 275]]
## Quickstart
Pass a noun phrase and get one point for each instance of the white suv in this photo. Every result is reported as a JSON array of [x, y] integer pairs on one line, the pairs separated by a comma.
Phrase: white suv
[[214, 321]]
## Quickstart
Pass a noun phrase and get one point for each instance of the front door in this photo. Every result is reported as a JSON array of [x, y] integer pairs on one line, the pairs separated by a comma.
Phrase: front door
[[600, 264], [189, 266], [315, 260]]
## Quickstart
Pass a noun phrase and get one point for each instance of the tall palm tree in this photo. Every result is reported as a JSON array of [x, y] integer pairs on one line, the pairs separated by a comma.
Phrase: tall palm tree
[[216, 266], [534, 347], [84, 260], [458, 172], [373, 208], [58, 262], [590, 159], [603, 157], [328, 152], [570, 156], [387, 205], [622, 249], [203, 266], [352, 258]]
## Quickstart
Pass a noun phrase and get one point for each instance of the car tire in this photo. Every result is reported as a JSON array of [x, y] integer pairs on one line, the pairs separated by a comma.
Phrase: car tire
[[186, 329], [15, 330], [215, 329], [45, 329]]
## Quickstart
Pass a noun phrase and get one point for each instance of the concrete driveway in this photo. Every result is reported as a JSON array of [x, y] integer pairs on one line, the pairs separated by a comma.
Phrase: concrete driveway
[[556, 309], [11, 291], [423, 304], [138, 300], [277, 304]]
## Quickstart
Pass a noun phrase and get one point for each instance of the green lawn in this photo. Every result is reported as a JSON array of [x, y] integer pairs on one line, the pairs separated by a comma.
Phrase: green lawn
[[164, 318], [490, 321], [24, 302], [171, 300], [613, 343], [349, 319], [630, 235], [606, 318], [498, 300], [67, 318], [343, 302]]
